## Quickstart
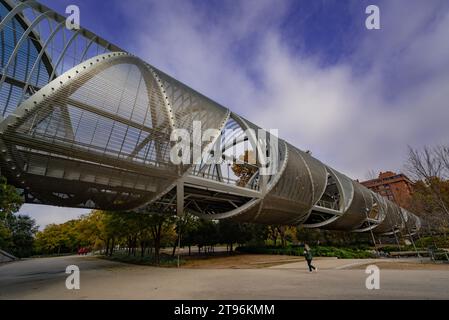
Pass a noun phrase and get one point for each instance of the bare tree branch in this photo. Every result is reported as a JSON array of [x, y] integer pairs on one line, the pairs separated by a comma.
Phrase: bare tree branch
[[428, 165], [370, 175], [442, 153], [424, 164]]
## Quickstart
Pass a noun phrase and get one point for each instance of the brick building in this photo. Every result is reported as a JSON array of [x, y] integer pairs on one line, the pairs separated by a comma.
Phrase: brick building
[[395, 187]]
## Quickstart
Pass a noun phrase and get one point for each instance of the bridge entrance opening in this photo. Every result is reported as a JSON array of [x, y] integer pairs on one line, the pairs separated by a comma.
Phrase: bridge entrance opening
[[328, 207]]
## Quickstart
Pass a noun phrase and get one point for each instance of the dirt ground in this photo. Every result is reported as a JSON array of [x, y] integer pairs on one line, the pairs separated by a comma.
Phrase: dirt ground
[[237, 261], [258, 261], [222, 277]]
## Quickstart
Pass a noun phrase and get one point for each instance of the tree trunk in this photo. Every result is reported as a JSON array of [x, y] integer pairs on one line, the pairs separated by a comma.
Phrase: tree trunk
[[142, 249], [157, 242], [157, 249], [112, 247], [134, 245], [107, 247], [174, 246]]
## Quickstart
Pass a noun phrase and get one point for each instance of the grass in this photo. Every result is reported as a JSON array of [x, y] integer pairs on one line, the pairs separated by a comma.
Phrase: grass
[[51, 255], [320, 251], [149, 260], [439, 241]]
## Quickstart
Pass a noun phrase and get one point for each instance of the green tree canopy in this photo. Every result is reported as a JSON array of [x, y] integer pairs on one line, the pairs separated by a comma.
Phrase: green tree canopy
[[10, 200]]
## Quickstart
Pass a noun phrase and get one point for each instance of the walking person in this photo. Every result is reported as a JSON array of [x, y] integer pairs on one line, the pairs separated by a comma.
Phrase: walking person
[[308, 255]]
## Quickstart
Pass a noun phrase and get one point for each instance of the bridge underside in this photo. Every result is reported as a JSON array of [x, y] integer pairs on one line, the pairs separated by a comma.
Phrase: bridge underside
[[85, 124]]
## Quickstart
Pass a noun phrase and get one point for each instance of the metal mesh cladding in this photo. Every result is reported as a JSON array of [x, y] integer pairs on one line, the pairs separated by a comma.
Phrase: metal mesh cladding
[[289, 200], [36, 47], [108, 112], [188, 106]]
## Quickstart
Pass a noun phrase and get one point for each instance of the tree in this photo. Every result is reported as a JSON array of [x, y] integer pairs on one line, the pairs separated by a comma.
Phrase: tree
[[189, 233], [206, 234], [184, 225], [442, 152], [245, 170], [5, 236], [16, 232], [158, 226], [257, 233], [90, 229], [114, 225], [281, 232], [109, 230], [51, 240], [273, 233], [430, 199], [427, 207], [370, 175], [23, 229], [10, 200], [429, 166], [230, 232], [425, 163]]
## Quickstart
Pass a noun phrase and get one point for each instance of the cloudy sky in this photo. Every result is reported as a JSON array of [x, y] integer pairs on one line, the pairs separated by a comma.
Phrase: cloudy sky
[[354, 97]]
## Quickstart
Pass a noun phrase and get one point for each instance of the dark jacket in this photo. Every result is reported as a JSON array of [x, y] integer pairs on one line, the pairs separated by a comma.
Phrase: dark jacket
[[308, 254]]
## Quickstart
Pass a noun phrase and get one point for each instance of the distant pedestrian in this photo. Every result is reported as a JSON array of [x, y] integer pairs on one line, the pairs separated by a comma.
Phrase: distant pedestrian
[[309, 256]]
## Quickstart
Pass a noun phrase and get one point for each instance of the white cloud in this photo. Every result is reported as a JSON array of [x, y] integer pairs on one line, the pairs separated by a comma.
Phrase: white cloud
[[346, 118]]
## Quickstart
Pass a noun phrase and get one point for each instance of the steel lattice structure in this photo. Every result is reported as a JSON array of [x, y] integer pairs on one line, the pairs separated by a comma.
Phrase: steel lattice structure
[[85, 124]]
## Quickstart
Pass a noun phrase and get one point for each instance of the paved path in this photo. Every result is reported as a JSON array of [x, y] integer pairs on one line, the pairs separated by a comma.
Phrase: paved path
[[339, 264], [101, 279]]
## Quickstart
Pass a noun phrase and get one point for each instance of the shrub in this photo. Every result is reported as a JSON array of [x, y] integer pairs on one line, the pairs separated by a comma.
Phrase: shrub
[[439, 241], [164, 260], [319, 251]]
